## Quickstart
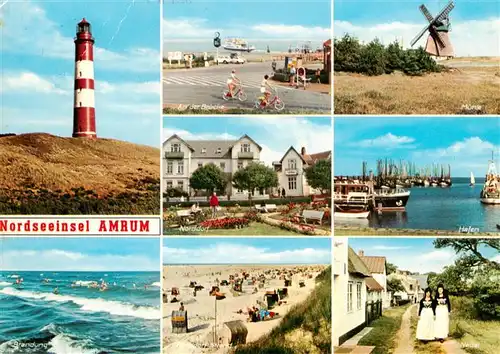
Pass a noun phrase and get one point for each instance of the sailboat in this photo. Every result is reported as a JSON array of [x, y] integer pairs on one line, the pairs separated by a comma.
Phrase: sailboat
[[491, 189], [472, 180]]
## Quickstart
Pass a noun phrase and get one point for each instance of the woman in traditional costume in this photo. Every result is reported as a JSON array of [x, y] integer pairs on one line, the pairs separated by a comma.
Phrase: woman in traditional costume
[[426, 314], [443, 309]]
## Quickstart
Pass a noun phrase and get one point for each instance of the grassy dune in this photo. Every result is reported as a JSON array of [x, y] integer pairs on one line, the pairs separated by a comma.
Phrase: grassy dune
[[41, 173], [437, 93], [305, 329]]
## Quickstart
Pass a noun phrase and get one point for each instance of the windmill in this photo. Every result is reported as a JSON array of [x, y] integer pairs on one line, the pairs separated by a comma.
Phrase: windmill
[[438, 42]]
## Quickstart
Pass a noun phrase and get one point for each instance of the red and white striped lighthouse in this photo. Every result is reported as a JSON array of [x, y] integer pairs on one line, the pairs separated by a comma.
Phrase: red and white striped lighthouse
[[84, 107]]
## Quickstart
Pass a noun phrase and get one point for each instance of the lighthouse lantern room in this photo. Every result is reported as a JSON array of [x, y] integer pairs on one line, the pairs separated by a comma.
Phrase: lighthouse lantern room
[[84, 104]]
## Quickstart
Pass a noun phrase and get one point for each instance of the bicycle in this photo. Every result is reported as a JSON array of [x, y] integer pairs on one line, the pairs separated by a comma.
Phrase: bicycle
[[275, 102], [239, 94]]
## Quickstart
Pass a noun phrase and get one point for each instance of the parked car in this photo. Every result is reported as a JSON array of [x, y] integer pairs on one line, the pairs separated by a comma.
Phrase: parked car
[[224, 60], [236, 59]]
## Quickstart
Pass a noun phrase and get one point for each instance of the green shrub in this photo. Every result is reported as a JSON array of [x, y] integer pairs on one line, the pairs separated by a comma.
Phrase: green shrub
[[143, 200], [376, 59], [175, 193], [486, 294]]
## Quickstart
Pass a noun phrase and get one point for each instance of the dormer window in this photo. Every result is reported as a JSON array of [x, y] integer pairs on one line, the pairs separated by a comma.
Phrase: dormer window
[[203, 150], [219, 151]]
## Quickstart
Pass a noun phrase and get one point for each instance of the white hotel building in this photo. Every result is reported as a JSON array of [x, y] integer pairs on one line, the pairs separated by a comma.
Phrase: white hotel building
[[182, 157]]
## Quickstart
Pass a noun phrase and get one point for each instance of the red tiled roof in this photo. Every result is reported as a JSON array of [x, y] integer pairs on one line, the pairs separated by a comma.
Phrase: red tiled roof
[[311, 159], [373, 285], [375, 264]]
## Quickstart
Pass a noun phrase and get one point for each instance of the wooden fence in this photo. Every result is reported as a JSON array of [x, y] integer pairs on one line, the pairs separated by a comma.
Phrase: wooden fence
[[373, 311]]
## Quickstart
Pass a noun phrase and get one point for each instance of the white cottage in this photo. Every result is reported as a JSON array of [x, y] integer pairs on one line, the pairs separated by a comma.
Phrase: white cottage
[[349, 291], [182, 157], [377, 267], [291, 171]]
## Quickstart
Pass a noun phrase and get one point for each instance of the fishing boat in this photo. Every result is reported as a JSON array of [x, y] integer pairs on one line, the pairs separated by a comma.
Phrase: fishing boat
[[472, 180], [391, 198], [352, 200], [490, 194], [237, 45]]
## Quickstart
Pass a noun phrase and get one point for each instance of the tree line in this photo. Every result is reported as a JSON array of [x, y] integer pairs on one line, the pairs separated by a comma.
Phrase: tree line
[[255, 176], [376, 59]]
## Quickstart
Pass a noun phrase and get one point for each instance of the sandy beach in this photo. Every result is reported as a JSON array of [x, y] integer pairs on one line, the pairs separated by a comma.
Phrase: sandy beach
[[201, 309]]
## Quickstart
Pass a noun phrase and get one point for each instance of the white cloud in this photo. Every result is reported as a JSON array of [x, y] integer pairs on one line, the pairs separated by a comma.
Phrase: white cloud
[[62, 260], [129, 100], [27, 29], [187, 28], [425, 261], [275, 135], [388, 140], [472, 146], [29, 82], [229, 253], [177, 30], [469, 38], [469, 154]]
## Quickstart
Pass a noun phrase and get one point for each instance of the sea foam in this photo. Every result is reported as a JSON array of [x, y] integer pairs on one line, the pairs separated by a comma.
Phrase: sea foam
[[62, 344], [92, 305]]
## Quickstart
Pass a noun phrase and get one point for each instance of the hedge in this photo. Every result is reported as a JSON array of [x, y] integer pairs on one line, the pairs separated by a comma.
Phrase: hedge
[[242, 203]]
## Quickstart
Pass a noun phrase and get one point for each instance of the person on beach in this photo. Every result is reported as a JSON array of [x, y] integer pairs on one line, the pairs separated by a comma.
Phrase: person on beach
[[273, 65], [181, 308], [426, 315], [214, 204], [443, 309]]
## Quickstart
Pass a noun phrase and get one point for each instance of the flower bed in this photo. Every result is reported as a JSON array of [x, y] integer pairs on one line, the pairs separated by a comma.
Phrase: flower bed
[[225, 223]]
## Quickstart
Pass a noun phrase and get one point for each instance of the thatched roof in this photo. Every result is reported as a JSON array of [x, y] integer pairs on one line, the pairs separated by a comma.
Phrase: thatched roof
[[356, 264]]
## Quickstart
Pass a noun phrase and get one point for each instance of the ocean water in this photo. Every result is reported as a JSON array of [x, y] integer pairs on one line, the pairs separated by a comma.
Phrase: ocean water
[[122, 319], [439, 209]]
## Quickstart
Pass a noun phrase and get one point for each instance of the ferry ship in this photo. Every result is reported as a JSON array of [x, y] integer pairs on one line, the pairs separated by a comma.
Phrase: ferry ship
[[237, 45]]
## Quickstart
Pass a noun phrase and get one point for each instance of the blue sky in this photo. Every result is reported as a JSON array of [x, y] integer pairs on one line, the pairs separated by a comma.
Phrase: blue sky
[[474, 23], [464, 143], [246, 251], [274, 134], [37, 67], [413, 254], [84, 254], [277, 23]]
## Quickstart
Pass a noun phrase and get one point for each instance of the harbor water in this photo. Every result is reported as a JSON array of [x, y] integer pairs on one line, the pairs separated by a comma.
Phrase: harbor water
[[436, 208], [80, 318]]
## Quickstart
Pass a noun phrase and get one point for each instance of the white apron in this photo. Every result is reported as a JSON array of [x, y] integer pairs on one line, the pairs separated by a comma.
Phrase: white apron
[[425, 326], [442, 324]]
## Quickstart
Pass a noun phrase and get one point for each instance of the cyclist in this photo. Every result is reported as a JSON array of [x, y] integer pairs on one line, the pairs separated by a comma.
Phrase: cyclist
[[266, 89], [232, 81]]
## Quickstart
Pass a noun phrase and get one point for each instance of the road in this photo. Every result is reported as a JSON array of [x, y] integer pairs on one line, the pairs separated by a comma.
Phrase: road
[[200, 86]]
